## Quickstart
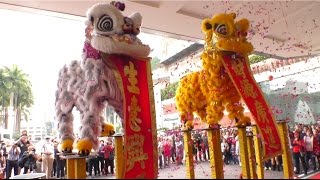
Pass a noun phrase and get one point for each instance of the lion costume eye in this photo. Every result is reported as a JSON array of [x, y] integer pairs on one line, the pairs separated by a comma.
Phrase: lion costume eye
[[221, 29], [105, 23]]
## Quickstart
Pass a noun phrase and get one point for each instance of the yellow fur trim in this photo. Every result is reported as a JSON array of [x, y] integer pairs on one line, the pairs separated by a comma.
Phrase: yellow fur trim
[[242, 24], [210, 91], [84, 144], [107, 129], [204, 25], [232, 15], [66, 144]]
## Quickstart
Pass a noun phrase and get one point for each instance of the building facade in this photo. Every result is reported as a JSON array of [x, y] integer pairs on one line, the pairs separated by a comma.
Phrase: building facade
[[291, 87], [36, 130]]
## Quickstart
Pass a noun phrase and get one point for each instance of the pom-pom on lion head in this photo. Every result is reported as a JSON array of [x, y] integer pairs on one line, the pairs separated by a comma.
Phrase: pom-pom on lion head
[[121, 6], [106, 19], [241, 28]]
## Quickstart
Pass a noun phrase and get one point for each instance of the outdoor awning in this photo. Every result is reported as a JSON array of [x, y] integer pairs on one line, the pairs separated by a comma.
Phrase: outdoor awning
[[284, 29]]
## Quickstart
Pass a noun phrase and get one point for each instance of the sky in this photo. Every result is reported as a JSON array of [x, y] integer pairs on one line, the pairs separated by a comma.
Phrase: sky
[[41, 45]]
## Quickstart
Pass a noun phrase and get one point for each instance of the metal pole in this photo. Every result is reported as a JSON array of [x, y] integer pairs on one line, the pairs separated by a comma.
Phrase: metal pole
[[244, 156], [252, 161], [258, 152], [286, 154], [216, 162], [188, 146], [119, 154]]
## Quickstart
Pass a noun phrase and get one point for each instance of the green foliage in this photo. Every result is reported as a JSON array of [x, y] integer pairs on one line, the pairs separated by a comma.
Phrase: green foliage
[[16, 136], [154, 62], [163, 129], [119, 128], [15, 86], [256, 58], [170, 91]]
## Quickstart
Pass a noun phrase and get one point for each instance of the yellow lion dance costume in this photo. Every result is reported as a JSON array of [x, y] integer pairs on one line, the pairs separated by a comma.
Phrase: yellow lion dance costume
[[210, 91]]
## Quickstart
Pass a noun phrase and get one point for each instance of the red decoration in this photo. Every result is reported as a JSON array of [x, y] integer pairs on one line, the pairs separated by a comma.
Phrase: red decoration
[[137, 143], [270, 78], [257, 105]]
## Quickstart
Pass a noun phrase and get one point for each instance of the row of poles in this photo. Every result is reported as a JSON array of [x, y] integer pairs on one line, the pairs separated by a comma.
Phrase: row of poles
[[251, 153]]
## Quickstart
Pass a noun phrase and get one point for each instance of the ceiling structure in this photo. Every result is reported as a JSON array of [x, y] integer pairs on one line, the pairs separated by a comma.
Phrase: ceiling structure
[[282, 29]]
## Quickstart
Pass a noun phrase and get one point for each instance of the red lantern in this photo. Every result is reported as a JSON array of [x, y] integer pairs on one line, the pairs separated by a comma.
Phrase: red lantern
[[270, 78]]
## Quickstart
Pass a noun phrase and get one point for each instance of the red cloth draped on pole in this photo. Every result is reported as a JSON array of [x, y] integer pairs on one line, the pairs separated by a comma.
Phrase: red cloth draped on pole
[[239, 71], [140, 150]]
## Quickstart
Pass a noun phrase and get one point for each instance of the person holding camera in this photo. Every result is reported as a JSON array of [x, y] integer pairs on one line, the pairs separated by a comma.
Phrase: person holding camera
[[29, 160], [23, 143], [13, 157]]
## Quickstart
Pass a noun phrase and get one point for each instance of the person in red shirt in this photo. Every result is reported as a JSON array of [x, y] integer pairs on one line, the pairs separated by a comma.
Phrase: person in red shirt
[[109, 158], [298, 149], [166, 151], [316, 145]]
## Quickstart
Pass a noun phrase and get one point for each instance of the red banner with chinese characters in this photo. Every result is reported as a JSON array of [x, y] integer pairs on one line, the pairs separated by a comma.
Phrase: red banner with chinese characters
[[239, 71], [140, 138]]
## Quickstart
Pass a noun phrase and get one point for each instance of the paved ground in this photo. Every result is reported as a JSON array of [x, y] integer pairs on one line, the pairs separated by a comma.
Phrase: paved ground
[[202, 171]]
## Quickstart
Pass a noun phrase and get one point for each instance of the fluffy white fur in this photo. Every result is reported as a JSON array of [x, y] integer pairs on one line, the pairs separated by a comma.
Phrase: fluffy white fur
[[89, 84], [97, 10], [103, 41], [86, 85], [137, 21], [109, 46]]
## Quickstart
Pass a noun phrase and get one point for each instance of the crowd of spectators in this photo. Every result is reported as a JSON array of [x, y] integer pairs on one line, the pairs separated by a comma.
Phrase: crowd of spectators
[[304, 142], [305, 147], [171, 147], [103, 162], [21, 157]]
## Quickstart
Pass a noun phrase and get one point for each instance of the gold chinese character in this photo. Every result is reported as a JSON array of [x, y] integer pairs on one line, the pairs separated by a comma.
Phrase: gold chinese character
[[248, 88], [134, 121], [135, 151], [238, 68], [261, 112], [132, 73], [269, 133]]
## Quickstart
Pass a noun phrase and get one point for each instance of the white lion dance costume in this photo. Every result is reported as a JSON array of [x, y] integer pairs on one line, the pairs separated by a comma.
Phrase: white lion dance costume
[[90, 84]]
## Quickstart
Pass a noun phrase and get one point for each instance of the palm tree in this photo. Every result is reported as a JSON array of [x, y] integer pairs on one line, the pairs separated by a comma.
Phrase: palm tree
[[20, 93], [4, 99]]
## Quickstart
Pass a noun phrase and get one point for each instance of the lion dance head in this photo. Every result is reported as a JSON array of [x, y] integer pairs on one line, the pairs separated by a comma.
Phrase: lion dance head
[[223, 33]]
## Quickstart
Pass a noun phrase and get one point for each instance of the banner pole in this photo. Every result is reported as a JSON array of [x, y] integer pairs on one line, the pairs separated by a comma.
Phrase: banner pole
[[258, 152], [216, 162], [244, 156], [252, 161], [119, 154], [188, 147], [286, 154]]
